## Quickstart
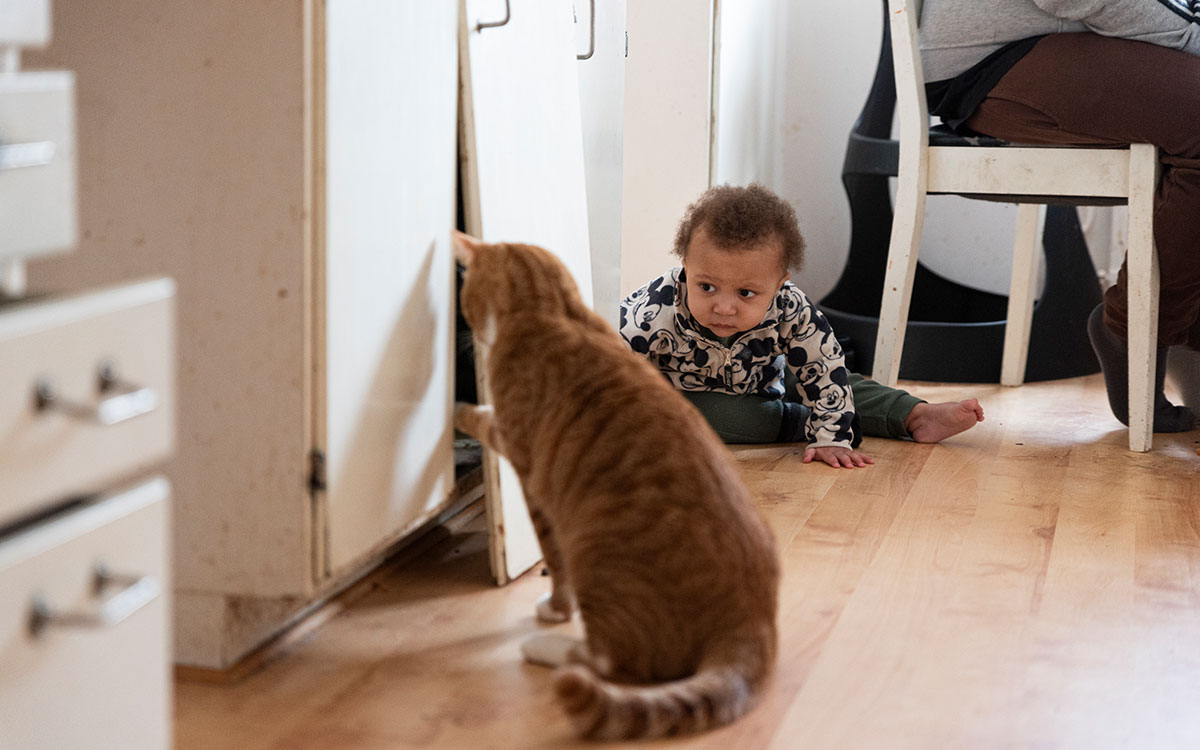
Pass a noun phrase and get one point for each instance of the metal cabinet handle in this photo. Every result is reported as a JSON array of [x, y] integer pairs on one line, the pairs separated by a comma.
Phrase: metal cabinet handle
[[134, 593], [33, 154], [480, 26], [591, 33], [132, 401]]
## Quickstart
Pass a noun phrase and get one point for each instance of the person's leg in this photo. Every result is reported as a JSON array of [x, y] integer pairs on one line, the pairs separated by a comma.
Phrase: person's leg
[[1090, 89], [1113, 353], [883, 410], [1183, 371], [894, 413], [748, 419]]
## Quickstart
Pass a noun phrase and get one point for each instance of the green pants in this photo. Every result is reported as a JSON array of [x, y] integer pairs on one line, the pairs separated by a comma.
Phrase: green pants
[[882, 412]]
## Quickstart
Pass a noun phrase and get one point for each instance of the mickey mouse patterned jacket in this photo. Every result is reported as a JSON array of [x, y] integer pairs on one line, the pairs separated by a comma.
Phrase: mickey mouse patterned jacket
[[656, 323]]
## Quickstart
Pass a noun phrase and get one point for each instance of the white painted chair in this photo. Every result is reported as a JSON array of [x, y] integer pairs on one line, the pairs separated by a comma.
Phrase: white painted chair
[[1032, 175]]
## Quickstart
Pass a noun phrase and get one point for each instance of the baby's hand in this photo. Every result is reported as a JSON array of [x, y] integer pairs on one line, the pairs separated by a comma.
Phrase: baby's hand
[[837, 457]]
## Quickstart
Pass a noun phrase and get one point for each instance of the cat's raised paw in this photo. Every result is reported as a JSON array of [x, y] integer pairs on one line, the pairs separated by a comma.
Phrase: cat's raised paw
[[547, 612], [463, 417], [477, 421]]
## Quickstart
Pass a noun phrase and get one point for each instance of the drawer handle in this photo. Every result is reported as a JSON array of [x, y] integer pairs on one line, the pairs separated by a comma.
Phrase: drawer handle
[[132, 401], [34, 154], [135, 592]]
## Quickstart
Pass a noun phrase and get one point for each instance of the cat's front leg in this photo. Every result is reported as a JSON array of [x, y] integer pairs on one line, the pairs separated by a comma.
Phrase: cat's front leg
[[557, 605], [479, 422], [555, 609]]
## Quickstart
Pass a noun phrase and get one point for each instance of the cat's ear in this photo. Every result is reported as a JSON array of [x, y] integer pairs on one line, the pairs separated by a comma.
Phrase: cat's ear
[[465, 247]]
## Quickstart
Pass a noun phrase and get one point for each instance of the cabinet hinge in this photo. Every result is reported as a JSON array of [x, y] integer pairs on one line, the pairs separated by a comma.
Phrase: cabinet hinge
[[316, 474]]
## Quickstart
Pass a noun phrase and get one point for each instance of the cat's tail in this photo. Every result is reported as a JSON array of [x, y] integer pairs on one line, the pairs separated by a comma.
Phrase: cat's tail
[[715, 695]]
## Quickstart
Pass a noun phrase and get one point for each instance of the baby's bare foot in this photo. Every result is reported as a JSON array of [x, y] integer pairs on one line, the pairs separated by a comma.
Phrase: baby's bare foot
[[930, 423]]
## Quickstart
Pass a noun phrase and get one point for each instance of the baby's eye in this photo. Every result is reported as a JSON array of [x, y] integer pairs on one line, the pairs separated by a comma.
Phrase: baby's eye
[[747, 293], [705, 287]]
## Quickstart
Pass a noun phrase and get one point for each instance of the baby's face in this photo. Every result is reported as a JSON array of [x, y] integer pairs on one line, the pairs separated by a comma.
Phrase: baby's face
[[729, 290]]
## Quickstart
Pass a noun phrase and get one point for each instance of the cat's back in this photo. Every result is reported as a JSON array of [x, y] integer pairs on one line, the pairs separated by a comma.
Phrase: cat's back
[[604, 428], [577, 380]]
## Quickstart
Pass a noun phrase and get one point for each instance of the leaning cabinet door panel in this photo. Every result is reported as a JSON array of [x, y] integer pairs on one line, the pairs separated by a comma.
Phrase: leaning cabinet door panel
[[391, 82], [523, 181], [84, 656]]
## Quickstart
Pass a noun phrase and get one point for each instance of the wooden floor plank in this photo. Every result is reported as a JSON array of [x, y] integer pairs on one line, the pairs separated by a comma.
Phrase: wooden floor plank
[[1030, 583]]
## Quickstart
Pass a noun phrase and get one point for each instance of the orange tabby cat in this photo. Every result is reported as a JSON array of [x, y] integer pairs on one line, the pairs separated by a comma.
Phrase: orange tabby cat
[[639, 509]]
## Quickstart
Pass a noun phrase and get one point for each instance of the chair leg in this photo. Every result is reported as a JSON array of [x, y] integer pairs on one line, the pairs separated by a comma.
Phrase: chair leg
[[1142, 278], [907, 221], [1031, 220]]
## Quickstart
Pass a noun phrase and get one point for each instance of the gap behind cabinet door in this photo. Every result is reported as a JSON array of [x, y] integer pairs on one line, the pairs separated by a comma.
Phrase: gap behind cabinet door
[[523, 181]]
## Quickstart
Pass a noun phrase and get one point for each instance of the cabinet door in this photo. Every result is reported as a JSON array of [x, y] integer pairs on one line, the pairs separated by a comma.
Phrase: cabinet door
[[384, 330], [600, 31], [523, 181], [668, 133]]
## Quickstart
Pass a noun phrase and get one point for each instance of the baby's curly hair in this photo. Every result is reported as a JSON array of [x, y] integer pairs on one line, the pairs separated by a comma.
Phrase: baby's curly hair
[[737, 216]]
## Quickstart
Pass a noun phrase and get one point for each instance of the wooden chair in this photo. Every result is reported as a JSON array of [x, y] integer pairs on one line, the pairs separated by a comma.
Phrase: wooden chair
[[1030, 176]]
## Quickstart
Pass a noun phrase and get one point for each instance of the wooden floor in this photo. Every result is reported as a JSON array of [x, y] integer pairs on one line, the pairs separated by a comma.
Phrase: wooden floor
[[1029, 584]]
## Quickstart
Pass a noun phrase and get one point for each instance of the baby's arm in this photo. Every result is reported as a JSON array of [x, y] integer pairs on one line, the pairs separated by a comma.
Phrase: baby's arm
[[823, 383]]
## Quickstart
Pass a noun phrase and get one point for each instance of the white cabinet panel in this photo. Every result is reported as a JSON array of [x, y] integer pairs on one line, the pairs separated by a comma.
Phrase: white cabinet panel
[[668, 114], [602, 108], [525, 175], [390, 116]]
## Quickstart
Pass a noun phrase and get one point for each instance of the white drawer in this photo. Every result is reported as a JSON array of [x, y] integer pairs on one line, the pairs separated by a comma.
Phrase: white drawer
[[83, 666], [25, 23], [85, 436], [38, 192]]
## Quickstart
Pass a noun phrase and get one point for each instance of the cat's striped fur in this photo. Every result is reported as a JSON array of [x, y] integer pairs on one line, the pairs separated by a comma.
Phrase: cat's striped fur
[[640, 511]]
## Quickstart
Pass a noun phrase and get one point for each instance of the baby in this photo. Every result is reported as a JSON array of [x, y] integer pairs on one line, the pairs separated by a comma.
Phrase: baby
[[750, 349]]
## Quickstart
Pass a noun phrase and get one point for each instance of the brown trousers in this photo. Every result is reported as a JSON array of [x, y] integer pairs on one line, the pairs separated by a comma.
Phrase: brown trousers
[[1089, 89]]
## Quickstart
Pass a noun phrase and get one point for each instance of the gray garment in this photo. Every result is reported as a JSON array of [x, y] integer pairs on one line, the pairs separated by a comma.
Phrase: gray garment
[[956, 34]]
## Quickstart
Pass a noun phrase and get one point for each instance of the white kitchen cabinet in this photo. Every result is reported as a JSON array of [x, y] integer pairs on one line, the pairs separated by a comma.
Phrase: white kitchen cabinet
[[87, 384], [292, 164], [84, 608], [86, 406], [87, 394]]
